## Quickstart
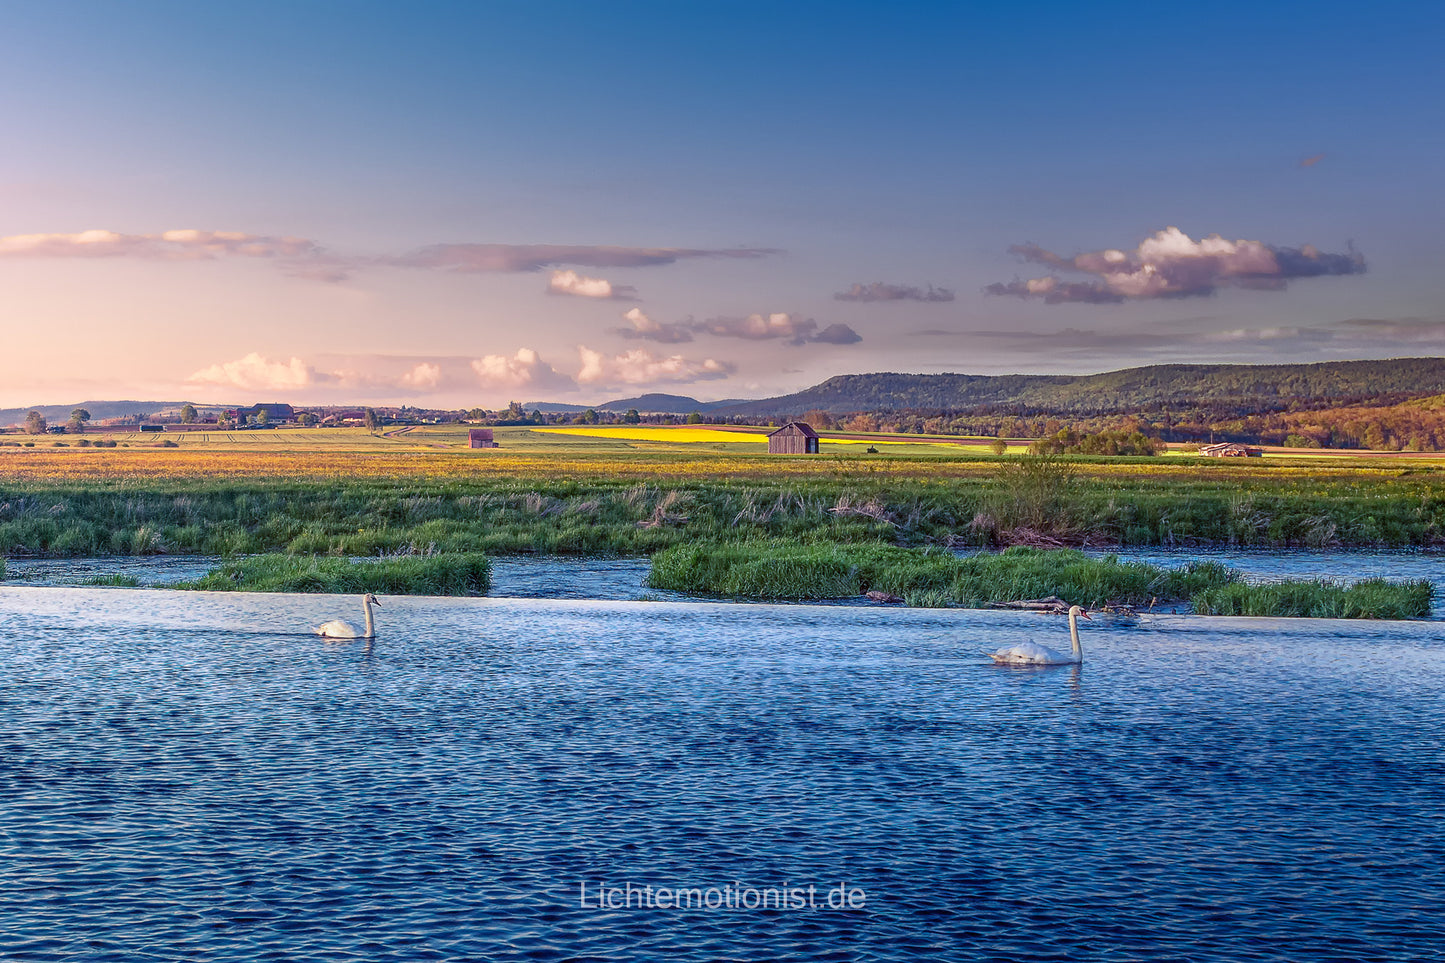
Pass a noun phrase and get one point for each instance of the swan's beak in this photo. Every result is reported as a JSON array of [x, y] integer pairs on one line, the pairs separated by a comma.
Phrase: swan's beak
[[1085, 615]]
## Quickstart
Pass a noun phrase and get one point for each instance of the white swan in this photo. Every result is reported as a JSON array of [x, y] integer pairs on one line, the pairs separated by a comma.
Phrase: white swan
[[1031, 653], [342, 629]]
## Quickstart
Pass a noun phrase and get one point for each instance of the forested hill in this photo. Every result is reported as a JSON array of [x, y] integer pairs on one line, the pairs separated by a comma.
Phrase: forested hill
[[1253, 387]]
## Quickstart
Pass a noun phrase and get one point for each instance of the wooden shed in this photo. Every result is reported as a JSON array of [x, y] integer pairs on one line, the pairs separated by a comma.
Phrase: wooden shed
[[481, 438], [794, 438]]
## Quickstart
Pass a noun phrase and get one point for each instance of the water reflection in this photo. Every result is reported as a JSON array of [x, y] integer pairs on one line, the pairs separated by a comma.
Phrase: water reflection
[[180, 777]]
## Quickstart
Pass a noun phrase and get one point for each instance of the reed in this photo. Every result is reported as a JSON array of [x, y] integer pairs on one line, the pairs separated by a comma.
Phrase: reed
[[1318, 599], [930, 578], [466, 574], [616, 513], [784, 570], [123, 581]]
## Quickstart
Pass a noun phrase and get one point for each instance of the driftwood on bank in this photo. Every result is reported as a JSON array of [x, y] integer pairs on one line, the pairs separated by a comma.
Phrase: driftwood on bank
[[1057, 606], [1052, 604], [879, 596]]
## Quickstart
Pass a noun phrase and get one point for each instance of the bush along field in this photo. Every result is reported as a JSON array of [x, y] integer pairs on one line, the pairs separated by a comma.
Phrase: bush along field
[[782, 570]]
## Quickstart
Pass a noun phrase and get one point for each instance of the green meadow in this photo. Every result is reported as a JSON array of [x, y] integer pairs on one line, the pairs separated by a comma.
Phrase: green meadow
[[346, 493]]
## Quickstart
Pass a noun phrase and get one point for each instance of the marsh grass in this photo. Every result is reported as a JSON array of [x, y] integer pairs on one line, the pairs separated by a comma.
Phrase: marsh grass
[[782, 570], [773, 570], [1318, 599], [459, 574], [610, 511], [124, 581]]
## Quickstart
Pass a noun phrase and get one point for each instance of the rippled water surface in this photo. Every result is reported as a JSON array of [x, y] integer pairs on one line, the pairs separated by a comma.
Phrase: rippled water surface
[[191, 776]]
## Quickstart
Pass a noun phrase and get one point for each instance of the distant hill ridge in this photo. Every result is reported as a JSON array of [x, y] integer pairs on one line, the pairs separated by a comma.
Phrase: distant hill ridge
[[652, 403], [59, 414], [1273, 385], [1265, 387]]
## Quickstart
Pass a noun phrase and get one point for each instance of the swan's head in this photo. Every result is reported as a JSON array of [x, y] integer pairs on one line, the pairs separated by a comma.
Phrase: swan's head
[[369, 599], [1076, 612]]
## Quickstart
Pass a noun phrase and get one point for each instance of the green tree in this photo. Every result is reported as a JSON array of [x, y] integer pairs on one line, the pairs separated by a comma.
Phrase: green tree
[[589, 417], [78, 418], [515, 411], [35, 423], [188, 414], [306, 419], [695, 418], [372, 422], [632, 417], [262, 417], [999, 446]]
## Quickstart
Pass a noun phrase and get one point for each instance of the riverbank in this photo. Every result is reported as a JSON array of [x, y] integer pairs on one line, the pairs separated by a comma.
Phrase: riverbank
[[608, 509]]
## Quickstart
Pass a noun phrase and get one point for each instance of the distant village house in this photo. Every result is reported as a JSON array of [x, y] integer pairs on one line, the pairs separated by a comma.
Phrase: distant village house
[[275, 414]]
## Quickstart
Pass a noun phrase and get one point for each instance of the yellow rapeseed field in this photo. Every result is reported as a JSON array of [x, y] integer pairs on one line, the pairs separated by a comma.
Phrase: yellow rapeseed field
[[653, 433], [690, 435]]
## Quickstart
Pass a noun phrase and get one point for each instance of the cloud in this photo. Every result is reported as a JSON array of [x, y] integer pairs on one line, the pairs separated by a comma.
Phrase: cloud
[[1312, 160], [878, 291], [646, 329], [424, 376], [182, 245], [1170, 264], [255, 372], [579, 285], [790, 328], [485, 258], [525, 369], [641, 367], [303, 258], [836, 334], [297, 256]]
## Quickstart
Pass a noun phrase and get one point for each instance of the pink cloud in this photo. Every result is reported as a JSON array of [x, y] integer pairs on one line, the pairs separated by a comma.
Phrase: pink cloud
[[1170, 264], [579, 285], [641, 367]]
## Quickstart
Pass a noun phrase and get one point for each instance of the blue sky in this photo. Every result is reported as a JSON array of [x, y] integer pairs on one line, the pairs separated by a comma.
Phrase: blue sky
[[466, 203]]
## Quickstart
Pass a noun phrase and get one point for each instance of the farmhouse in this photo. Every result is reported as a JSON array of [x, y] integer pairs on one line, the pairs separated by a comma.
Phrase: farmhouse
[[1231, 450], [481, 438], [794, 438], [276, 414]]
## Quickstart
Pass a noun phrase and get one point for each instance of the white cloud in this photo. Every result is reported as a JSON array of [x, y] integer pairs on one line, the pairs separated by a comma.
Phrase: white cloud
[[255, 372], [525, 369], [789, 327], [579, 285], [424, 376], [647, 329], [1171, 264], [180, 245], [642, 367]]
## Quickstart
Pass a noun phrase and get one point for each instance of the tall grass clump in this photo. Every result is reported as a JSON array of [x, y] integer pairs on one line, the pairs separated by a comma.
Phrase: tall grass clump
[[1318, 599], [461, 574], [121, 581], [787, 570]]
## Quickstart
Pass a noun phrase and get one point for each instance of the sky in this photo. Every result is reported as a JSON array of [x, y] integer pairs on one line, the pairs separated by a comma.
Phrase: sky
[[463, 204]]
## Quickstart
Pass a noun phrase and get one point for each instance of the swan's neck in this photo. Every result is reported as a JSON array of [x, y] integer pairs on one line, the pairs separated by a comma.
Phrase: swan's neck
[[1073, 635], [371, 626]]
